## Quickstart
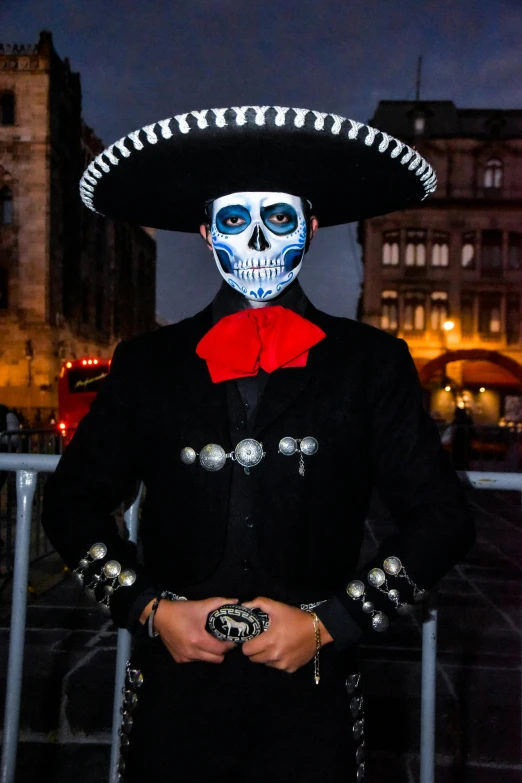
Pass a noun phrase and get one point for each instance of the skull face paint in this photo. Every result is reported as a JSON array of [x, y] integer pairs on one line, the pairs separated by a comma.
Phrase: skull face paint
[[258, 241]]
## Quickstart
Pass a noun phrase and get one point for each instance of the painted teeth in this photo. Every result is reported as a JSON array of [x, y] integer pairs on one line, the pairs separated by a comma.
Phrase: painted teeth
[[254, 263], [259, 274]]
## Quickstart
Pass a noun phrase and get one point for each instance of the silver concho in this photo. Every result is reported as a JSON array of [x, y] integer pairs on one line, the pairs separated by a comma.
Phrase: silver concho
[[212, 457], [376, 577], [248, 453], [392, 565], [352, 683], [188, 455], [358, 729], [380, 622], [359, 753], [367, 607], [98, 551], [394, 596], [127, 578], [287, 446], [308, 446], [355, 589], [112, 569]]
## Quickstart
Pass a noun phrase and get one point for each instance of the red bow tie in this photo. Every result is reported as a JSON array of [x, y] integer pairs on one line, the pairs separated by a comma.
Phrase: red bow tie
[[267, 337]]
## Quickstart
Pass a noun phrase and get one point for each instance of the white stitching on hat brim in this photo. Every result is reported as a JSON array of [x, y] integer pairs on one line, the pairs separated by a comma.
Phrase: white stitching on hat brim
[[329, 123]]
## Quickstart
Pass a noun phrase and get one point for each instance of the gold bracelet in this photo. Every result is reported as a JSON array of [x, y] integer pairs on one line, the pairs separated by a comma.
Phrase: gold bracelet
[[317, 632]]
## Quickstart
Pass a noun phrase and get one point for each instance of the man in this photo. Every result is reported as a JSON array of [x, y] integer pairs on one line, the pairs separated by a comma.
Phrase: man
[[280, 422]]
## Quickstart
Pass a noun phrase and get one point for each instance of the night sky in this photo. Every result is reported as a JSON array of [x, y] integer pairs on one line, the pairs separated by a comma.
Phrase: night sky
[[143, 61]]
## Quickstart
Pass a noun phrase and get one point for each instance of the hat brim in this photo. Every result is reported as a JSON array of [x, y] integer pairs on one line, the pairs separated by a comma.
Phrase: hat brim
[[162, 176]]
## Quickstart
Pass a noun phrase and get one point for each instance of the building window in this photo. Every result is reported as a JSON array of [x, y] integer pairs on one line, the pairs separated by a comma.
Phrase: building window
[[440, 249], [514, 248], [414, 311], [493, 173], [468, 252], [389, 311], [491, 253], [439, 310], [7, 108], [419, 124], [489, 314], [390, 248], [513, 319], [4, 289], [6, 207], [415, 248], [467, 315]]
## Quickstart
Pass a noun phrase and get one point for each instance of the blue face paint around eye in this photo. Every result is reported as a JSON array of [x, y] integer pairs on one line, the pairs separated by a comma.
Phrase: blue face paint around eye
[[281, 219], [227, 216]]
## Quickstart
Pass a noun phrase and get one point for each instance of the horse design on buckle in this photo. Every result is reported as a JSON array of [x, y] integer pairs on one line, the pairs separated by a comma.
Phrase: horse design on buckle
[[212, 457]]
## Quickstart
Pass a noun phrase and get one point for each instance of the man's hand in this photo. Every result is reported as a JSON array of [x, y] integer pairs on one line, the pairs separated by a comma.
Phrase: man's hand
[[181, 626], [289, 642]]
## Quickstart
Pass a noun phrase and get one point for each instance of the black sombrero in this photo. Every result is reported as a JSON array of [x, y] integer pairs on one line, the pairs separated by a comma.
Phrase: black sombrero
[[162, 175]]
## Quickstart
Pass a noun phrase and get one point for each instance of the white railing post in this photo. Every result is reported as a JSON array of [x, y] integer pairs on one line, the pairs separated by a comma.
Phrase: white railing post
[[123, 652], [25, 487], [428, 693]]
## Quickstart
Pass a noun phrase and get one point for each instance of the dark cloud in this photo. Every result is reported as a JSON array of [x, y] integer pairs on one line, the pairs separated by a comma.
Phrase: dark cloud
[[140, 62]]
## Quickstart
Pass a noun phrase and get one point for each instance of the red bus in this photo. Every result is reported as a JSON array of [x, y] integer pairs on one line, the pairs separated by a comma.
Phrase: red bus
[[77, 386]]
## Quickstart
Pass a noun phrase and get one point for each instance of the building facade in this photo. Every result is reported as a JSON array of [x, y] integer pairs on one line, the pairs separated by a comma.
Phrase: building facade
[[72, 283], [455, 259]]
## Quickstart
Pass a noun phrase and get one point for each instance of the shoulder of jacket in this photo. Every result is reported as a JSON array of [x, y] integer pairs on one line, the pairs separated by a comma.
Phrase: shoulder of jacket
[[179, 336], [356, 332]]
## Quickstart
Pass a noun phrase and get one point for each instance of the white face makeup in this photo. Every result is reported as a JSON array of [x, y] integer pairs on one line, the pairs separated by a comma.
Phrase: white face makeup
[[258, 241]]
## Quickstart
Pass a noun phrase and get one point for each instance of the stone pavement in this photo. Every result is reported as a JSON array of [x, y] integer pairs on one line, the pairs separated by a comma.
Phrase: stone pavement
[[69, 670]]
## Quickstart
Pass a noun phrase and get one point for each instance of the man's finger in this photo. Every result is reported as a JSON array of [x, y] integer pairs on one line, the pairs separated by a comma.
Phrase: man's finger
[[265, 604]]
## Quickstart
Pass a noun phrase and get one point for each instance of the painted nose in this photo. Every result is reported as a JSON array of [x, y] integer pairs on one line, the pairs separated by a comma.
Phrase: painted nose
[[258, 241]]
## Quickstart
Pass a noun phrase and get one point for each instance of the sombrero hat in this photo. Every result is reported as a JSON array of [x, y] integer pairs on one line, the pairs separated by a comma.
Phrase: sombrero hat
[[162, 175]]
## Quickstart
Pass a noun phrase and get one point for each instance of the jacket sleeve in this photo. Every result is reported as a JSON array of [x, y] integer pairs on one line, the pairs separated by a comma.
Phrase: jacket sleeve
[[415, 479], [96, 474]]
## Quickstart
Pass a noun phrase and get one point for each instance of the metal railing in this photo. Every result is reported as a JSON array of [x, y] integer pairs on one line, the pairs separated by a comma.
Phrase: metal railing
[[28, 467]]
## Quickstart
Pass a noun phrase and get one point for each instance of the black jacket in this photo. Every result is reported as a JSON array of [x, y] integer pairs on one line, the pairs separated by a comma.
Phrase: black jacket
[[360, 398]]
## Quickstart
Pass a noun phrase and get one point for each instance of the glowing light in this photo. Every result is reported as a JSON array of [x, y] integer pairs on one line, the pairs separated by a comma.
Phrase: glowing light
[[90, 361], [62, 425], [84, 361], [482, 389], [95, 361], [68, 365], [447, 388], [448, 325]]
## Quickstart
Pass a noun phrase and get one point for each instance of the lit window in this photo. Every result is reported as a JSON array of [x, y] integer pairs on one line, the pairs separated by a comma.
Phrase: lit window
[[415, 248], [7, 108], [6, 207], [390, 248], [467, 258], [493, 173], [489, 314], [439, 310], [419, 123], [440, 249], [389, 310], [414, 311]]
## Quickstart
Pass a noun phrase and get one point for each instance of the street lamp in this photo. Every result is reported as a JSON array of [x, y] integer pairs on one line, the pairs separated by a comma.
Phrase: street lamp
[[448, 325]]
